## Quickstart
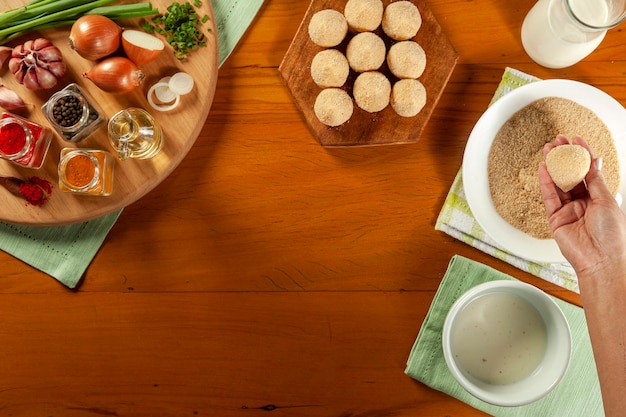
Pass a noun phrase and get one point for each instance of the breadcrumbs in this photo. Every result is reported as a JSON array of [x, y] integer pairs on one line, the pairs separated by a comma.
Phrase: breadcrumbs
[[517, 151]]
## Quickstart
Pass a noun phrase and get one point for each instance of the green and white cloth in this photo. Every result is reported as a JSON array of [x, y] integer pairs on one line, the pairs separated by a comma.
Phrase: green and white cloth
[[65, 252], [457, 220], [577, 395]]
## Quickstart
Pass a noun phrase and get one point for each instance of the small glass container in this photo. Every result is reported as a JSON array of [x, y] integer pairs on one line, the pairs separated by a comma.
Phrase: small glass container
[[71, 113], [23, 142], [134, 133], [86, 171]]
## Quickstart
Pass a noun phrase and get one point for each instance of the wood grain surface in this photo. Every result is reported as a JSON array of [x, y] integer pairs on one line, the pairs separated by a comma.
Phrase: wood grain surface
[[269, 275], [364, 128], [132, 178]]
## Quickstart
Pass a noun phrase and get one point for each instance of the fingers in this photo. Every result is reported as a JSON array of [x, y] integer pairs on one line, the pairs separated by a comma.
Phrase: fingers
[[580, 190], [549, 193], [595, 185], [561, 140], [577, 140], [595, 182]]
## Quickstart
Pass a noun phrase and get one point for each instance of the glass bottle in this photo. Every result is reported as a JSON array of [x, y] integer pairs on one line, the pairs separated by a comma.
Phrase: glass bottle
[[86, 171], [134, 133], [559, 33], [84, 121], [23, 142]]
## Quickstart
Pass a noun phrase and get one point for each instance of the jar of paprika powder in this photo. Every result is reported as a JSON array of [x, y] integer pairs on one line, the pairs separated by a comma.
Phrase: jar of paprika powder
[[23, 142], [86, 171]]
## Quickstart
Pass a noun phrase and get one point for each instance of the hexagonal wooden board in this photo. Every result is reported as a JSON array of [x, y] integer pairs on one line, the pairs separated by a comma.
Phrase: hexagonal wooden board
[[363, 128]]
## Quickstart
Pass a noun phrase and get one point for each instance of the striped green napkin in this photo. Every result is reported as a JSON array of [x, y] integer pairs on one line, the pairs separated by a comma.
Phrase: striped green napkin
[[65, 252], [457, 220], [578, 393]]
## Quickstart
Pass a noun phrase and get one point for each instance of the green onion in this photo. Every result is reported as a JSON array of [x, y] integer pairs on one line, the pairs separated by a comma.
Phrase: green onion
[[125, 11], [179, 27], [47, 14]]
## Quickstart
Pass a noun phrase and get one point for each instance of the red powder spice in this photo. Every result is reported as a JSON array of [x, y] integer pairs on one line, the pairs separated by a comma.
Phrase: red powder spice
[[33, 194], [12, 139], [47, 187]]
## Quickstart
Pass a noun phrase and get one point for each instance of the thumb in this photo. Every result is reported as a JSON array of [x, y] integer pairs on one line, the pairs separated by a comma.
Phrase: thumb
[[596, 186]]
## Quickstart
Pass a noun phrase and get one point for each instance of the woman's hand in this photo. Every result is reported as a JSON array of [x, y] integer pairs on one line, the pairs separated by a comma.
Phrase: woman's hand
[[586, 222]]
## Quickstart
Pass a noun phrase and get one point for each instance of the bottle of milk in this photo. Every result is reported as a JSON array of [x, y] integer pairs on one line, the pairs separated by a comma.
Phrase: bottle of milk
[[559, 33]]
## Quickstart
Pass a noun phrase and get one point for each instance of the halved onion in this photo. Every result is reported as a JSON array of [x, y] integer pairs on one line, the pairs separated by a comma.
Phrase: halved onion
[[141, 47]]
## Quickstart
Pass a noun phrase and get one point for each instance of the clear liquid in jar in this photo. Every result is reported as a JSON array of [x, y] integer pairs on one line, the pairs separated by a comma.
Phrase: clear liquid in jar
[[134, 134]]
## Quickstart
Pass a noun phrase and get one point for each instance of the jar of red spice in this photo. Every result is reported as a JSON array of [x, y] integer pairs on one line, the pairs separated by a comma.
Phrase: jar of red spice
[[23, 142], [86, 171], [72, 114]]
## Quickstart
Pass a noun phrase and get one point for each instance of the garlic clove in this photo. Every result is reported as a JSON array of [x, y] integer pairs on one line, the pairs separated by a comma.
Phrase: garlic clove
[[15, 65], [30, 79], [40, 43], [9, 99], [45, 78], [58, 69], [5, 53]]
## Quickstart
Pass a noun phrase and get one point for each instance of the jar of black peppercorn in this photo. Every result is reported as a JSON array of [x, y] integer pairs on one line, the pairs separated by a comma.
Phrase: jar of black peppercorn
[[72, 113]]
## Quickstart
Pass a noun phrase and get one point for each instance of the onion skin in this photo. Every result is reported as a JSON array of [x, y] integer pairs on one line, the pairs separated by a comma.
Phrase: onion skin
[[116, 75], [37, 64], [95, 36]]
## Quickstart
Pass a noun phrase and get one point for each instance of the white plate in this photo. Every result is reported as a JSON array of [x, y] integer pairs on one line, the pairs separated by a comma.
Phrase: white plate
[[475, 159]]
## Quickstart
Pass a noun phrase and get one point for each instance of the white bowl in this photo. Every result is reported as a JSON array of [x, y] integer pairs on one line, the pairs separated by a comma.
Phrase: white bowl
[[474, 351], [476, 159]]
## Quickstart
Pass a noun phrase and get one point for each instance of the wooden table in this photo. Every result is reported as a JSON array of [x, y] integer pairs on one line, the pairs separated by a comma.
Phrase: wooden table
[[267, 272]]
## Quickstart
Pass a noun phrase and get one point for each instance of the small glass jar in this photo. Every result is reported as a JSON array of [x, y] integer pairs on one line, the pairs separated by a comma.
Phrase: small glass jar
[[82, 119], [86, 171], [134, 133], [23, 142]]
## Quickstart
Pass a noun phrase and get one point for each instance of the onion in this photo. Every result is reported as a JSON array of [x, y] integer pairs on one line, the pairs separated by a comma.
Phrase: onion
[[95, 36], [37, 64], [168, 91], [141, 47], [116, 75]]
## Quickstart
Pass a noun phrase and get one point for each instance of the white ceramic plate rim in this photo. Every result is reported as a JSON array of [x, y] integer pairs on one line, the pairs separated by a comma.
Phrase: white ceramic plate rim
[[475, 159]]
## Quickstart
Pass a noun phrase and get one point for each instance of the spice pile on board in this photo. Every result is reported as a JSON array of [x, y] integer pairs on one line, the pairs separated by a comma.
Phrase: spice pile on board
[[36, 191]]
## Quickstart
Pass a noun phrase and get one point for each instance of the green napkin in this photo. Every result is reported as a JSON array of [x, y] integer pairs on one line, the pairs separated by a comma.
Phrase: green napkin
[[457, 220], [65, 252], [232, 19], [578, 394]]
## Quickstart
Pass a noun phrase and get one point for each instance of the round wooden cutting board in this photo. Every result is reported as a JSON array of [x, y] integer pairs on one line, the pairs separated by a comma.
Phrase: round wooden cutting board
[[132, 178]]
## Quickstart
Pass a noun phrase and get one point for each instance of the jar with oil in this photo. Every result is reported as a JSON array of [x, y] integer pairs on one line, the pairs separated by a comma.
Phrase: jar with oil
[[134, 133]]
